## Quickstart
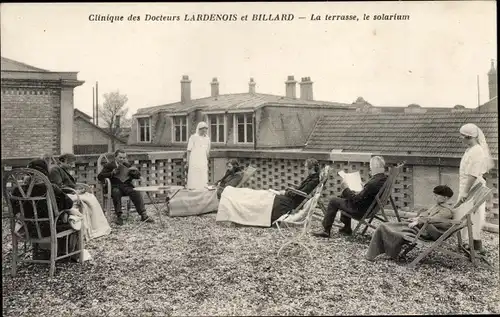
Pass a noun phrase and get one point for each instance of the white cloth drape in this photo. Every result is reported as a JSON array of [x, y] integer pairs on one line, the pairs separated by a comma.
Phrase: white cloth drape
[[246, 206], [95, 223]]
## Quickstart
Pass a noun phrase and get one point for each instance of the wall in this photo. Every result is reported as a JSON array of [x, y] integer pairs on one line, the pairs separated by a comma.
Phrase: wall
[[287, 126], [30, 123], [85, 133], [88, 139]]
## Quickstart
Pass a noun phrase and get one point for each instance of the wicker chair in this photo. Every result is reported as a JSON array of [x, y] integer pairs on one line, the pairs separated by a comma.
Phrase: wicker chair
[[38, 215]]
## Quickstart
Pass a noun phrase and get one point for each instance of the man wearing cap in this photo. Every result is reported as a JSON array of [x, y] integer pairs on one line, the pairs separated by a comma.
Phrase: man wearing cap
[[389, 238]]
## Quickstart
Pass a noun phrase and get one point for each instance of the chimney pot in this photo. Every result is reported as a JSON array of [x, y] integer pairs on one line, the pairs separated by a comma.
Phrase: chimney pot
[[306, 89], [215, 87], [185, 89], [291, 87], [251, 86], [492, 81]]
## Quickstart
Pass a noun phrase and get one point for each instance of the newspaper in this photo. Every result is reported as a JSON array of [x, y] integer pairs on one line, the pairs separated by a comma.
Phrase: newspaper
[[123, 172], [353, 180]]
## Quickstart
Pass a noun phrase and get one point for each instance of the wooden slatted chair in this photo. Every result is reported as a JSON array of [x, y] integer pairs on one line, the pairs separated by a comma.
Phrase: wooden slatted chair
[[105, 188], [377, 206], [28, 211], [303, 214], [477, 196], [247, 174], [324, 175], [303, 218]]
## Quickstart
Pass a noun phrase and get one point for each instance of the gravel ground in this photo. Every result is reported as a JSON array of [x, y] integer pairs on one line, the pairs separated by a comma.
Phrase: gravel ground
[[195, 267]]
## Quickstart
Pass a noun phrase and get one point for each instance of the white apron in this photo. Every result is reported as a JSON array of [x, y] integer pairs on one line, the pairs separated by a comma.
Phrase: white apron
[[472, 163], [198, 161]]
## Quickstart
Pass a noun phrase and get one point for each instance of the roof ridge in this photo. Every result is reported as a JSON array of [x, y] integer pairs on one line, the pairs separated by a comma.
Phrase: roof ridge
[[24, 64]]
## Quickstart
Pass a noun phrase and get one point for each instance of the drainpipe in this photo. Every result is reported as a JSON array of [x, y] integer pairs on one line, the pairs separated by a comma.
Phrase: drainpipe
[[254, 124]]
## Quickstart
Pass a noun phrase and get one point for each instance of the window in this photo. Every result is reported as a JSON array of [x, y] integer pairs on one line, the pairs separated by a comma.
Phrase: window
[[180, 129], [244, 128], [144, 129], [217, 128]]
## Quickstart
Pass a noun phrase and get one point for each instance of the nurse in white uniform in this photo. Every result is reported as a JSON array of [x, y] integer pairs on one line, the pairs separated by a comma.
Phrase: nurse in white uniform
[[197, 157], [475, 162]]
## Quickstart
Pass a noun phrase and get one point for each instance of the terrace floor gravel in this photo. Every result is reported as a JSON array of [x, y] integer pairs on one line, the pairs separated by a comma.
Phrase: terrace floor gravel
[[196, 267]]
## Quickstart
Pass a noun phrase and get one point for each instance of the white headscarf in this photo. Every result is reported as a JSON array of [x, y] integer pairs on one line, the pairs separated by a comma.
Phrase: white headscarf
[[201, 125], [474, 131]]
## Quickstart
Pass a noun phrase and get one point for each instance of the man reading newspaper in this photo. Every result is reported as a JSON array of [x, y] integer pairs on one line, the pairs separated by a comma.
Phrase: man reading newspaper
[[121, 174], [352, 202]]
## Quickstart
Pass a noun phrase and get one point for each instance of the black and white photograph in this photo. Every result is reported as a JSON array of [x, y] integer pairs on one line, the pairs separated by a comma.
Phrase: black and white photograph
[[249, 158]]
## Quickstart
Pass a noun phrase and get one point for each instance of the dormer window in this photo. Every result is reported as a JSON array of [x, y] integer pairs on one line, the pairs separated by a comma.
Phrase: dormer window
[[144, 129]]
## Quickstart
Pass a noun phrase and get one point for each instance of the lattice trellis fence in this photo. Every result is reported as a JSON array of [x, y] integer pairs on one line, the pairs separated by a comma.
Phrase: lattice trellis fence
[[278, 173], [273, 171]]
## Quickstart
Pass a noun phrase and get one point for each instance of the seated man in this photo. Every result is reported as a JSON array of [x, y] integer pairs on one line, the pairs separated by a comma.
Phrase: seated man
[[389, 238], [59, 173], [356, 204], [95, 221], [233, 176], [118, 172]]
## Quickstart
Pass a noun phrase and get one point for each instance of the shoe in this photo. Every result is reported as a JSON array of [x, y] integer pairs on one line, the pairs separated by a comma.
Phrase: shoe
[[345, 231], [478, 247], [119, 220], [322, 234], [146, 218]]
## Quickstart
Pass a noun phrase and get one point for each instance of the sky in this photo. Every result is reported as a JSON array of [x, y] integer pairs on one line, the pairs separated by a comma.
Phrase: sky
[[433, 59]]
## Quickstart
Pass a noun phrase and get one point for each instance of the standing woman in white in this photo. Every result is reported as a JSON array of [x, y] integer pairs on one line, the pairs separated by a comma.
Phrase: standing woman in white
[[197, 157], [475, 162]]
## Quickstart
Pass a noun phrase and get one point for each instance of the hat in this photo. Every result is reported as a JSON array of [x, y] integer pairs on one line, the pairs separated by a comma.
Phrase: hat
[[470, 130], [443, 190], [39, 165]]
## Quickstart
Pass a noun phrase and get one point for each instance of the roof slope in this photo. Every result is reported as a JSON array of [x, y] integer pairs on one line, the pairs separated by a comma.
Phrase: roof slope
[[239, 101], [8, 64], [79, 113], [427, 134]]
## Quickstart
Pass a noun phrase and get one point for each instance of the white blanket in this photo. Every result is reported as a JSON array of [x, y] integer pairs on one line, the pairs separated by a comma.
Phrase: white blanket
[[246, 206], [192, 202]]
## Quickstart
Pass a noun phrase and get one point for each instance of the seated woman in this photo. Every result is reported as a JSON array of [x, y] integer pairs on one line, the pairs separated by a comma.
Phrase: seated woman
[[233, 176], [262, 207], [390, 238], [64, 204], [95, 222]]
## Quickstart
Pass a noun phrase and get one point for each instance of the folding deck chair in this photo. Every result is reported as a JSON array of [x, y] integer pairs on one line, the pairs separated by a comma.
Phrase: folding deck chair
[[377, 206], [477, 196], [247, 174], [302, 215], [324, 175]]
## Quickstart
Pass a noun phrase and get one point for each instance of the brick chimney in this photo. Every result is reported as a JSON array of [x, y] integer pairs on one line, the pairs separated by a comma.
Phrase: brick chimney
[[185, 89], [215, 87], [251, 86], [291, 87], [492, 81], [306, 89]]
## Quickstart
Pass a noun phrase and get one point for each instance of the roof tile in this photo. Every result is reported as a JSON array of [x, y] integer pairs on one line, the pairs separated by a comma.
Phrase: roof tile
[[426, 134]]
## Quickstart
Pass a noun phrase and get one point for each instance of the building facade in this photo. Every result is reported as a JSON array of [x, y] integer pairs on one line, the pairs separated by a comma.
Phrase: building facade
[[248, 120], [37, 110], [89, 138]]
